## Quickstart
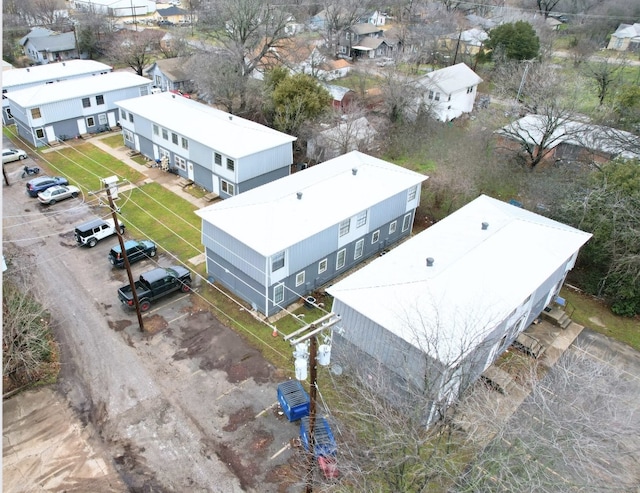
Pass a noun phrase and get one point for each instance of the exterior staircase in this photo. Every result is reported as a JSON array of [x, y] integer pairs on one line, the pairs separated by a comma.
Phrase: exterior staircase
[[557, 316]]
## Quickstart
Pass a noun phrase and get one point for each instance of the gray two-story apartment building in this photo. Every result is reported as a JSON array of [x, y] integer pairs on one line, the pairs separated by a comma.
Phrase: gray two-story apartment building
[[275, 244], [218, 151], [46, 113], [22, 78]]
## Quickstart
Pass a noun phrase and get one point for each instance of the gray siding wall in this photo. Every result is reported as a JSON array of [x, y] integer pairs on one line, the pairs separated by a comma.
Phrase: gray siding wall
[[256, 181], [265, 162]]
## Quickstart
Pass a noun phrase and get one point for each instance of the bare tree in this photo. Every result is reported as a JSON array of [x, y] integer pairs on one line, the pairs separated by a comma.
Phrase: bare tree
[[605, 74], [135, 49], [246, 30], [400, 96], [340, 15], [545, 7]]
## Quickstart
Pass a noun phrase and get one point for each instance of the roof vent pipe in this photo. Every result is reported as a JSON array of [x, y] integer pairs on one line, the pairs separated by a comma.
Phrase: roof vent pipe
[[485, 225], [354, 171], [230, 117], [430, 261], [299, 194]]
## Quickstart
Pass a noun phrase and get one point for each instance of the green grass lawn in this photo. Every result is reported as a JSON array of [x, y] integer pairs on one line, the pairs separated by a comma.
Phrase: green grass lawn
[[114, 141]]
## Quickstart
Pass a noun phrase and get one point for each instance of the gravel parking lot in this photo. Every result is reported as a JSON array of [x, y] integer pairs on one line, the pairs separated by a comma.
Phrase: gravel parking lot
[[187, 406]]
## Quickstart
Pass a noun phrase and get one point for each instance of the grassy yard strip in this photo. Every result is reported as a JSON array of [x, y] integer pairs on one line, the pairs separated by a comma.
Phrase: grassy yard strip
[[86, 164], [157, 213], [113, 141], [590, 312]]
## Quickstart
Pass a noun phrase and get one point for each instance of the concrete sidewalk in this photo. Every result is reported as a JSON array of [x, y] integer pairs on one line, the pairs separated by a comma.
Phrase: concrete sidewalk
[[154, 174]]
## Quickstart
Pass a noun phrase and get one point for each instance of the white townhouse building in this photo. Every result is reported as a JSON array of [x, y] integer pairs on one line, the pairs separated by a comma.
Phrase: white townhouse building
[[86, 105], [275, 244], [438, 310], [21, 78], [220, 152]]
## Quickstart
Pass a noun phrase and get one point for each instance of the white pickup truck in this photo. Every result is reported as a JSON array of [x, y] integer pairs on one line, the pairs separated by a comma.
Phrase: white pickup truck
[[90, 233]]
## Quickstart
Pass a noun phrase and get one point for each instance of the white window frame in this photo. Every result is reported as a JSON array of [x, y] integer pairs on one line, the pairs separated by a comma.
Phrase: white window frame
[[231, 164], [180, 162], [300, 278], [278, 293], [184, 143], [156, 129], [375, 237], [227, 187], [217, 158], [98, 98], [359, 249], [412, 193], [39, 133], [128, 135], [102, 119], [345, 226], [165, 134], [322, 265], [393, 227], [361, 219], [406, 222], [278, 261], [341, 258], [91, 121], [86, 102], [174, 138]]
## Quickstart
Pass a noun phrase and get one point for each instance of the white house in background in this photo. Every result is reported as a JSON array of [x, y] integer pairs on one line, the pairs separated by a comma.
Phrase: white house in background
[[449, 92], [42, 45], [116, 8], [626, 38], [45, 113], [21, 78], [437, 310], [220, 152], [279, 242]]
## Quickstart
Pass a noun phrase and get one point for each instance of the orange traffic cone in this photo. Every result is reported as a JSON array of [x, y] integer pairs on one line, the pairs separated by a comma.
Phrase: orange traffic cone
[[275, 332]]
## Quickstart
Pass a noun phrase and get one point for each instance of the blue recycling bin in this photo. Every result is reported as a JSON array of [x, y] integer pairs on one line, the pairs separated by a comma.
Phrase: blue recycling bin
[[325, 443], [293, 400]]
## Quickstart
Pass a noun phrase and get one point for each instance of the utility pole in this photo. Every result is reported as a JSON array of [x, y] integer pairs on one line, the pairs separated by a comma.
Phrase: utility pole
[[309, 332], [127, 265]]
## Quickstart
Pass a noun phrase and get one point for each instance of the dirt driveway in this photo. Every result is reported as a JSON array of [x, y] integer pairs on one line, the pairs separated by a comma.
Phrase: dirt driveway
[[191, 407]]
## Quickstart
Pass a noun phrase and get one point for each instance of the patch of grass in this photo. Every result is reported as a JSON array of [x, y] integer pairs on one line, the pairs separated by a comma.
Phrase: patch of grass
[[594, 314], [114, 141], [85, 164]]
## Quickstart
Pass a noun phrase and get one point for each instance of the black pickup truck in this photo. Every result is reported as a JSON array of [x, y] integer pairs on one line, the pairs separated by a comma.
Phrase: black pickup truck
[[155, 284]]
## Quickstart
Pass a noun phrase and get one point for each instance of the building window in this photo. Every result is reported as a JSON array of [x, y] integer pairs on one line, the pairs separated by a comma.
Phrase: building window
[[165, 134], [278, 293], [406, 222], [91, 121], [430, 94], [277, 261], [156, 130], [340, 258], [437, 98], [174, 138], [128, 135], [218, 159], [392, 227], [35, 113], [361, 219], [158, 81], [322, 266], [102, 118], [412, 193], [375, 237], [344, 227], [99, 99], [227, 187], [469, 90], [164, 155], [230, 164], [185, 143], [4, 91], [299, 278], [123, 114], [181, 162], [359, 249], [39, 133], [8, 112], [131, 117], [86, 103], [144, 90]]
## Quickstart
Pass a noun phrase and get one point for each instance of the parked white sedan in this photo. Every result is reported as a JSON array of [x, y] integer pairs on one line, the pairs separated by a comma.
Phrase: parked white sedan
[[10, 155], [57, 193]]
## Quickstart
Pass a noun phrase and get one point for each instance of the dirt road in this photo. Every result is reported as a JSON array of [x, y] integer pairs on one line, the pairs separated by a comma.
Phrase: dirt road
[[190, 407]]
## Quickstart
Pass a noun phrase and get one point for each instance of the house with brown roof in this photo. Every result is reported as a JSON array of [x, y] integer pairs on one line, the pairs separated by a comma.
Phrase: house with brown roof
[[170, 74]]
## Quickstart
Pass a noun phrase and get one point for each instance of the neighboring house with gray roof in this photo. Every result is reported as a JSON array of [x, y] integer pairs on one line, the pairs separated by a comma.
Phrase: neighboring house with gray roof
[[366, 41], [44, 46], [21, 78], [276, 244], [437, 310], [349, 135], [45, 113], [170, 74], [447, 93], [223, 153], [626, 38]]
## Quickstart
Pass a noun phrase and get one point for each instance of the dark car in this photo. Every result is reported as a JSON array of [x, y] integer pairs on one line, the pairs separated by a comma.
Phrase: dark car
[[136, 250], [41, 183], [165, 23]]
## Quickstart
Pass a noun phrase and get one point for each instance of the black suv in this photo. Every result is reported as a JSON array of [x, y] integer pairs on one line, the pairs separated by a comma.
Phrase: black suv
[[136, 250], [41, 183]]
